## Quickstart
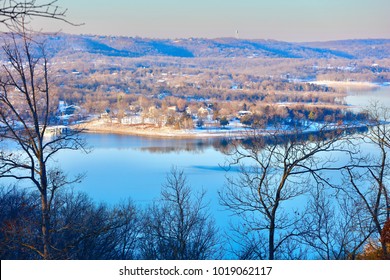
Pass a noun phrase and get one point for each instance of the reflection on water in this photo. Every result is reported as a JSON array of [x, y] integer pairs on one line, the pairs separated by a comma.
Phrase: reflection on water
[[155, 145], [361, 99], [219, 168], [177, 146], [123, 166]]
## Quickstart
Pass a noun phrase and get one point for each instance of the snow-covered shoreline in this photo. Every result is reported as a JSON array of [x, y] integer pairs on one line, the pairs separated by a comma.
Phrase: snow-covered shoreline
[[347, 84], [97, 126], [100, 127]]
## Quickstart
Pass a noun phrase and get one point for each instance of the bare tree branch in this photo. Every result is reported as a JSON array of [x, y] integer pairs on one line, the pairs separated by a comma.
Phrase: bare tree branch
[[13, 13]]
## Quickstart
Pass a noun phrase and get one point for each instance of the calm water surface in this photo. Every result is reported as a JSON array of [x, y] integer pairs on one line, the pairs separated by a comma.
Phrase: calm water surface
[[122, 167], [362, 98]]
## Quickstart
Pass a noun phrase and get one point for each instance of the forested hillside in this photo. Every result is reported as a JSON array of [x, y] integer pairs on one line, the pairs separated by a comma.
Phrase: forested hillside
[[221, 47]]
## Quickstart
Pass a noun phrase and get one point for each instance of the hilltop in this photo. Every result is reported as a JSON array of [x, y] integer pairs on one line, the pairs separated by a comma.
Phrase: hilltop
[[114, 46]]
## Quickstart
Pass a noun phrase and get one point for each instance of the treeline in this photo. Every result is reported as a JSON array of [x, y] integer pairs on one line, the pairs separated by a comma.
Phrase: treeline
[[301, 115], [136, 86], [102, 82], [176, 226], [80, 80]]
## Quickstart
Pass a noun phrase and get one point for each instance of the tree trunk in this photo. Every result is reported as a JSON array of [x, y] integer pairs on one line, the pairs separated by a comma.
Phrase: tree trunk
[[271, 241], [385, 251], [45, 226], [45, 214]]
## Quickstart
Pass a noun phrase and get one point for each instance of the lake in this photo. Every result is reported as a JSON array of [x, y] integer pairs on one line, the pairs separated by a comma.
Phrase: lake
[[121, 167], [362, 98]]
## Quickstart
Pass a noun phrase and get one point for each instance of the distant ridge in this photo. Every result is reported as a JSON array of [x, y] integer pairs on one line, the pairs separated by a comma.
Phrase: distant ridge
[[64, 44]]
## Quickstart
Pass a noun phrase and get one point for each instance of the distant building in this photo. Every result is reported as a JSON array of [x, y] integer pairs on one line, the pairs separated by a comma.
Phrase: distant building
[[67, 112], [65, 109], [204, 111], [243, 113], [172, 109]]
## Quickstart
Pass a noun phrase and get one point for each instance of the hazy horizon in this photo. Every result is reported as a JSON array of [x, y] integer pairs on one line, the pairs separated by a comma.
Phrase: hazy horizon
[[216, 38], [281, 20]]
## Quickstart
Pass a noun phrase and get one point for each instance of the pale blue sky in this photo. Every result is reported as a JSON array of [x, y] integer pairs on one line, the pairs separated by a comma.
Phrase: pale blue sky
[[289, 20]]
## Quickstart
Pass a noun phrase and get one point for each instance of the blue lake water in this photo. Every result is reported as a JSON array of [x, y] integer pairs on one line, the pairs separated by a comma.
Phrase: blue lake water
[[362, 98], [121, 167]]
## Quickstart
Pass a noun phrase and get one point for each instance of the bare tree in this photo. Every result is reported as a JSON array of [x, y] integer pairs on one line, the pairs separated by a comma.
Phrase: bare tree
[[26, 113], [366, 182], [13, 14], [80, 228], [83, 229], [27, 109], [18, 224], [334, 228], [178, 226], [276, 169]]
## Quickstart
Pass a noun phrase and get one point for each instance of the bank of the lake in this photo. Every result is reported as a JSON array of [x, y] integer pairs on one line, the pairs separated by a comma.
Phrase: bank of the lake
[[359, 95], [148, 130], [348, 85]]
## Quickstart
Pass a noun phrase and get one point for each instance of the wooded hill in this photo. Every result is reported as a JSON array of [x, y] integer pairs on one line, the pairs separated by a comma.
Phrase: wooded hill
[[65, 44]]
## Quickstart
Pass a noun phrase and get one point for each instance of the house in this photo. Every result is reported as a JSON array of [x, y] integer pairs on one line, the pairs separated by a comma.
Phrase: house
[[65, 109], [172, 109], [105, 114], [243, 113], [204, 112]]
